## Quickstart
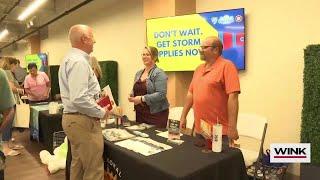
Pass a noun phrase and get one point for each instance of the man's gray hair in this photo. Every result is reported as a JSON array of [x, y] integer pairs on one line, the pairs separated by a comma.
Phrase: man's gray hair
[[76, 32]]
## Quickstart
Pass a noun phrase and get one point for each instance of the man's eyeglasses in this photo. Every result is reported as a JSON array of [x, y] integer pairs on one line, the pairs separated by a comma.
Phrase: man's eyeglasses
[[205, 47]]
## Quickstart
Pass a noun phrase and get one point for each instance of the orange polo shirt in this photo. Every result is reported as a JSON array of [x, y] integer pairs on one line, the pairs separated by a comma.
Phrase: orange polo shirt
[[210, 89]]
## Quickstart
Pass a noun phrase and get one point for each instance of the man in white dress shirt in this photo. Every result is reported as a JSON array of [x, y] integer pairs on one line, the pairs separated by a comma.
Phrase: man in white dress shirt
[[79, 89]]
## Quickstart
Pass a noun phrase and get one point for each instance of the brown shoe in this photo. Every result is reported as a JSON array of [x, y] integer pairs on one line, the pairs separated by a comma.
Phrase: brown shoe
[[17, 147], [12, 153]]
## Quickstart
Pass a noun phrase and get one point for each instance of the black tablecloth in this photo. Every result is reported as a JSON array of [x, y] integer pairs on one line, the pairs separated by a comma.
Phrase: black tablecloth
[[184, 161], [48, 124]]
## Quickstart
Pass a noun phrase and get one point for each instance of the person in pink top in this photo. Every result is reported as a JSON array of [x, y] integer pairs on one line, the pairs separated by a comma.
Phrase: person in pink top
[[36, 84]]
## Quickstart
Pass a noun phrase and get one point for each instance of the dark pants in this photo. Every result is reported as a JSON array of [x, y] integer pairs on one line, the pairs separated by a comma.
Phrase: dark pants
[[2, 163], [68, 162], [2, 175]]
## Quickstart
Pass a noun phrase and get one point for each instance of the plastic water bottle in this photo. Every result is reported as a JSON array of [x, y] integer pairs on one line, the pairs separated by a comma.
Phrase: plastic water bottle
[[217, 137]]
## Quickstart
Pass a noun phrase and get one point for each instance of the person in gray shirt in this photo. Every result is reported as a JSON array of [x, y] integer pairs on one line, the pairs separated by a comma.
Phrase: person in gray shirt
[[20, 73], [79, 90]]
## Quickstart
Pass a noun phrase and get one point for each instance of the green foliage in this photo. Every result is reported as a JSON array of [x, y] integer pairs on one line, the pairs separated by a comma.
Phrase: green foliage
[[310, 126], [110, 77], [53, 70]]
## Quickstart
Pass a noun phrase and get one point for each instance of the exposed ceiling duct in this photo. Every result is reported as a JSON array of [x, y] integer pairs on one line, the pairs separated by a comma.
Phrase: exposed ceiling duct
[[9, 11], [20, 30]]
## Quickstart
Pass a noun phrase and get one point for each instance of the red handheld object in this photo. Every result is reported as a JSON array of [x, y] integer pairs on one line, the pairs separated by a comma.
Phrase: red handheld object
[[104, 101]]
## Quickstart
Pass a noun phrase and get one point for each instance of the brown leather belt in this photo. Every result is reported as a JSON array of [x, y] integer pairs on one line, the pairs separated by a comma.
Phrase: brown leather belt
[[77, 113], [73, 113]]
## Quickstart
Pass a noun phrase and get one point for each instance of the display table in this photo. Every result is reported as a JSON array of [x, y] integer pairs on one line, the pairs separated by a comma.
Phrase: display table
[[184, 161], [34, 119], [48, 124]]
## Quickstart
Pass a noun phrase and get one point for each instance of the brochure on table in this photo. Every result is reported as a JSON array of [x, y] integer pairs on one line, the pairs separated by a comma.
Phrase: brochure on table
[[144, 146]]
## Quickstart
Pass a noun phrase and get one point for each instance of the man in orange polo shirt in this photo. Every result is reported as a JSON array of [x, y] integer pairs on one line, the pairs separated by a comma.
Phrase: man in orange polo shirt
[[214, 90]]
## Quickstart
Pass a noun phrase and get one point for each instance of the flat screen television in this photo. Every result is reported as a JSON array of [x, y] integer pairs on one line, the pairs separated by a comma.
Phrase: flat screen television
[[41, 59], [178, 38]]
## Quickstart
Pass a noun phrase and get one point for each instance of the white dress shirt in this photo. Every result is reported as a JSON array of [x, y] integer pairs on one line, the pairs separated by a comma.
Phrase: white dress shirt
[[79, 86]]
